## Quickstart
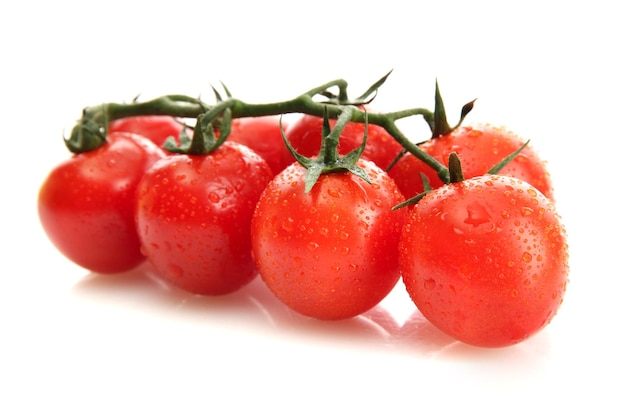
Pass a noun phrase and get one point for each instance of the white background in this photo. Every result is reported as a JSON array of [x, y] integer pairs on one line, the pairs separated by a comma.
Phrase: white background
[[85, 345]]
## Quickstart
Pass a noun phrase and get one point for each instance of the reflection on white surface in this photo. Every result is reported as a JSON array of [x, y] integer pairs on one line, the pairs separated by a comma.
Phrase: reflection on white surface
[[386, 327], [253, 306]]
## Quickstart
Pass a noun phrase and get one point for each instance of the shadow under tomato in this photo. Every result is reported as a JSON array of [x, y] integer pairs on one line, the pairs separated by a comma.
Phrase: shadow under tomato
[[419, 336], [142, 288], [255, 307]]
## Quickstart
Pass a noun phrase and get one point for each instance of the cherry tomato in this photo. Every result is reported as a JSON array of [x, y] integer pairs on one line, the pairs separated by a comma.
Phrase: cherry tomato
[[485, 260], [331, 253], [479, 148], [86, 204], [263, 136], [304, 135], [193, 217], [155, 128]]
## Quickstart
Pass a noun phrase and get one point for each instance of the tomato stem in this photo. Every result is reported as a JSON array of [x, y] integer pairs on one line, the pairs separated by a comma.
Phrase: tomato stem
[[328, 160], [456, 171], [90, 131], [439, 122]]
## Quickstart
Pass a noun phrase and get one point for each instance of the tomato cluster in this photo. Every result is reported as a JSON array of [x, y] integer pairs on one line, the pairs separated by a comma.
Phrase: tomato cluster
[[483, 258]]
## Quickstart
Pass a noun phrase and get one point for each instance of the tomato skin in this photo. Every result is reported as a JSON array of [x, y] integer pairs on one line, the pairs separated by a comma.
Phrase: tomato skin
[[263, 136], [156, 128], [86, 204], [479, 148], [193, 217], [485, 260], [305, 136], [331, 253]]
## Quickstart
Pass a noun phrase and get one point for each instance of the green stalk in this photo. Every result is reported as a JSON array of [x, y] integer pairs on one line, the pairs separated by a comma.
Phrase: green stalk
[[90, 132]]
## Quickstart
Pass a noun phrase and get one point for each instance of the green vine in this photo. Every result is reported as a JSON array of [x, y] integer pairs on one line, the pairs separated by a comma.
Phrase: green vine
[[90, 131]]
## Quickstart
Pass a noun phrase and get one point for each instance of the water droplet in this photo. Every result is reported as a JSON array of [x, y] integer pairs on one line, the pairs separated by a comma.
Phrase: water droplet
[[429, 284], [334, 192], [288, 225], [214, 197], [474, 133], [477, 214]]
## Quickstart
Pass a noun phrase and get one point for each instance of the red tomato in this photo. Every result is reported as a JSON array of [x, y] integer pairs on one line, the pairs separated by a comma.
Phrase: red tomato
[[305, 134], [331, 253], [86, 204], [193, 217], [155, 128], [263, 136], [485, 260], [479, 148]]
